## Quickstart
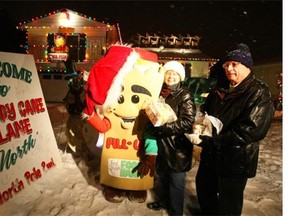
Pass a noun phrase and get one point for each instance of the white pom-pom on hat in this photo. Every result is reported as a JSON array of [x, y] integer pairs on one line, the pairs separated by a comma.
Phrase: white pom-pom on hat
[[177, 67]]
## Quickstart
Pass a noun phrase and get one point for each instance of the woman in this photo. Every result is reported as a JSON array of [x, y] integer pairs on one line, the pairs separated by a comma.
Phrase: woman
[[174, 149]]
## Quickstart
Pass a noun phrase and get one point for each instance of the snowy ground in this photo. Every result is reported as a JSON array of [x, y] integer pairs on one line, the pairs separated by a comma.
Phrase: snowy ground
[[74, 189]]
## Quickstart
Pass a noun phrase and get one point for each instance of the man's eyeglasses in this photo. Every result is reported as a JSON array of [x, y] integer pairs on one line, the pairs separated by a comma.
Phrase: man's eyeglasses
[[233, 64]]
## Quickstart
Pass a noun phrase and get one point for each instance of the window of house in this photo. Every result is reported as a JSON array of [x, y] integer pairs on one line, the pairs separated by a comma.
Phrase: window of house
[[58, 76], [46, 76], [76, 44]]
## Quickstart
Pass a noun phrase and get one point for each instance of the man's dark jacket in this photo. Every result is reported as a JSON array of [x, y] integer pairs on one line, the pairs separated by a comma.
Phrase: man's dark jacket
[[246, 114]]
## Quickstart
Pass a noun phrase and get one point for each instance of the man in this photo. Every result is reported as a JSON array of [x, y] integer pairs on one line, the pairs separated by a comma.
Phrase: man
[[229, 158]]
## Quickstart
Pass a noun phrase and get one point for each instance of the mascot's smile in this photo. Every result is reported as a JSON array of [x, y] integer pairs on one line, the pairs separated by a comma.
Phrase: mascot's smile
[[126, 122]]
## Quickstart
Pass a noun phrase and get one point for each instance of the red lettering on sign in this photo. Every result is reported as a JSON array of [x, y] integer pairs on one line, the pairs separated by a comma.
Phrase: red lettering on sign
[[14, 129], [32, 176], [115, 143], [7, 111], [16, 187], [31, 107]]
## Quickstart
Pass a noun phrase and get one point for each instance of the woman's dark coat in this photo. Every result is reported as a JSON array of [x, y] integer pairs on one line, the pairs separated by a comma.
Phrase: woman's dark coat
[[174, 149]]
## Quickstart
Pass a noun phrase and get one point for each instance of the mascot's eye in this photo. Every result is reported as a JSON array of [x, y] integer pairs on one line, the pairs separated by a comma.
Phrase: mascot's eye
[[135, 99], [121, 99]]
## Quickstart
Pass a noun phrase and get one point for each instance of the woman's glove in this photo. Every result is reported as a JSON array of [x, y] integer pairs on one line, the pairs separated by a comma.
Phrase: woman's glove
[[147, 165]]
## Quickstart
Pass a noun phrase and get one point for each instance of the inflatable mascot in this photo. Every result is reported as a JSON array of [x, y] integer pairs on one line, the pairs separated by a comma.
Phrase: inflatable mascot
[[119, 88]]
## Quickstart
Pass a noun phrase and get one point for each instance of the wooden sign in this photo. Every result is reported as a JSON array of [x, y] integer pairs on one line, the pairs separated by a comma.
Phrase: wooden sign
[[28, 147]]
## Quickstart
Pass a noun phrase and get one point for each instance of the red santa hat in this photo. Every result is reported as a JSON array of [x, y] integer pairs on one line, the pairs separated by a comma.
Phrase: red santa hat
[[105, 79]]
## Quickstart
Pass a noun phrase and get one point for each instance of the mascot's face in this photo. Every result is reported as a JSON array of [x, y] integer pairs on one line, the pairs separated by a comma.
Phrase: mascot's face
[[140, 86]]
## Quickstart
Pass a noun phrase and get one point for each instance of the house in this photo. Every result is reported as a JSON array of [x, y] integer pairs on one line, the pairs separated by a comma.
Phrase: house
[[65, 41]]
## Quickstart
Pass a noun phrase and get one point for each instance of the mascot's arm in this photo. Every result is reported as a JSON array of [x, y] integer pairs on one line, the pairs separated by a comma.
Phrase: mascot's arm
[[101, 125], [150, 144]]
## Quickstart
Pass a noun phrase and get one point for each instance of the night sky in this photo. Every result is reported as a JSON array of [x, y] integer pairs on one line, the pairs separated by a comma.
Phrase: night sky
[[220, 24]]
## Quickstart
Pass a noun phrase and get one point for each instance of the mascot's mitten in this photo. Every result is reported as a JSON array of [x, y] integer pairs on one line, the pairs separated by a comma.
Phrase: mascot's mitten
[[102, 125], [147, 165]]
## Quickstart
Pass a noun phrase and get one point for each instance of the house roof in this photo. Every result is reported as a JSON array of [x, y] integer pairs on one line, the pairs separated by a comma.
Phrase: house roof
[[63, 18]]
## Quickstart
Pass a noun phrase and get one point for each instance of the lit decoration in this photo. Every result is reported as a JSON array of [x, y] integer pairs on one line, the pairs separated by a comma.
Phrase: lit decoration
[[59, 52], [66, 19], [163, 40]]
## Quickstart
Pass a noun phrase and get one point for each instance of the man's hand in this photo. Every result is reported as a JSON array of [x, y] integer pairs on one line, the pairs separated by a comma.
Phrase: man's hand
[[207, 142]]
